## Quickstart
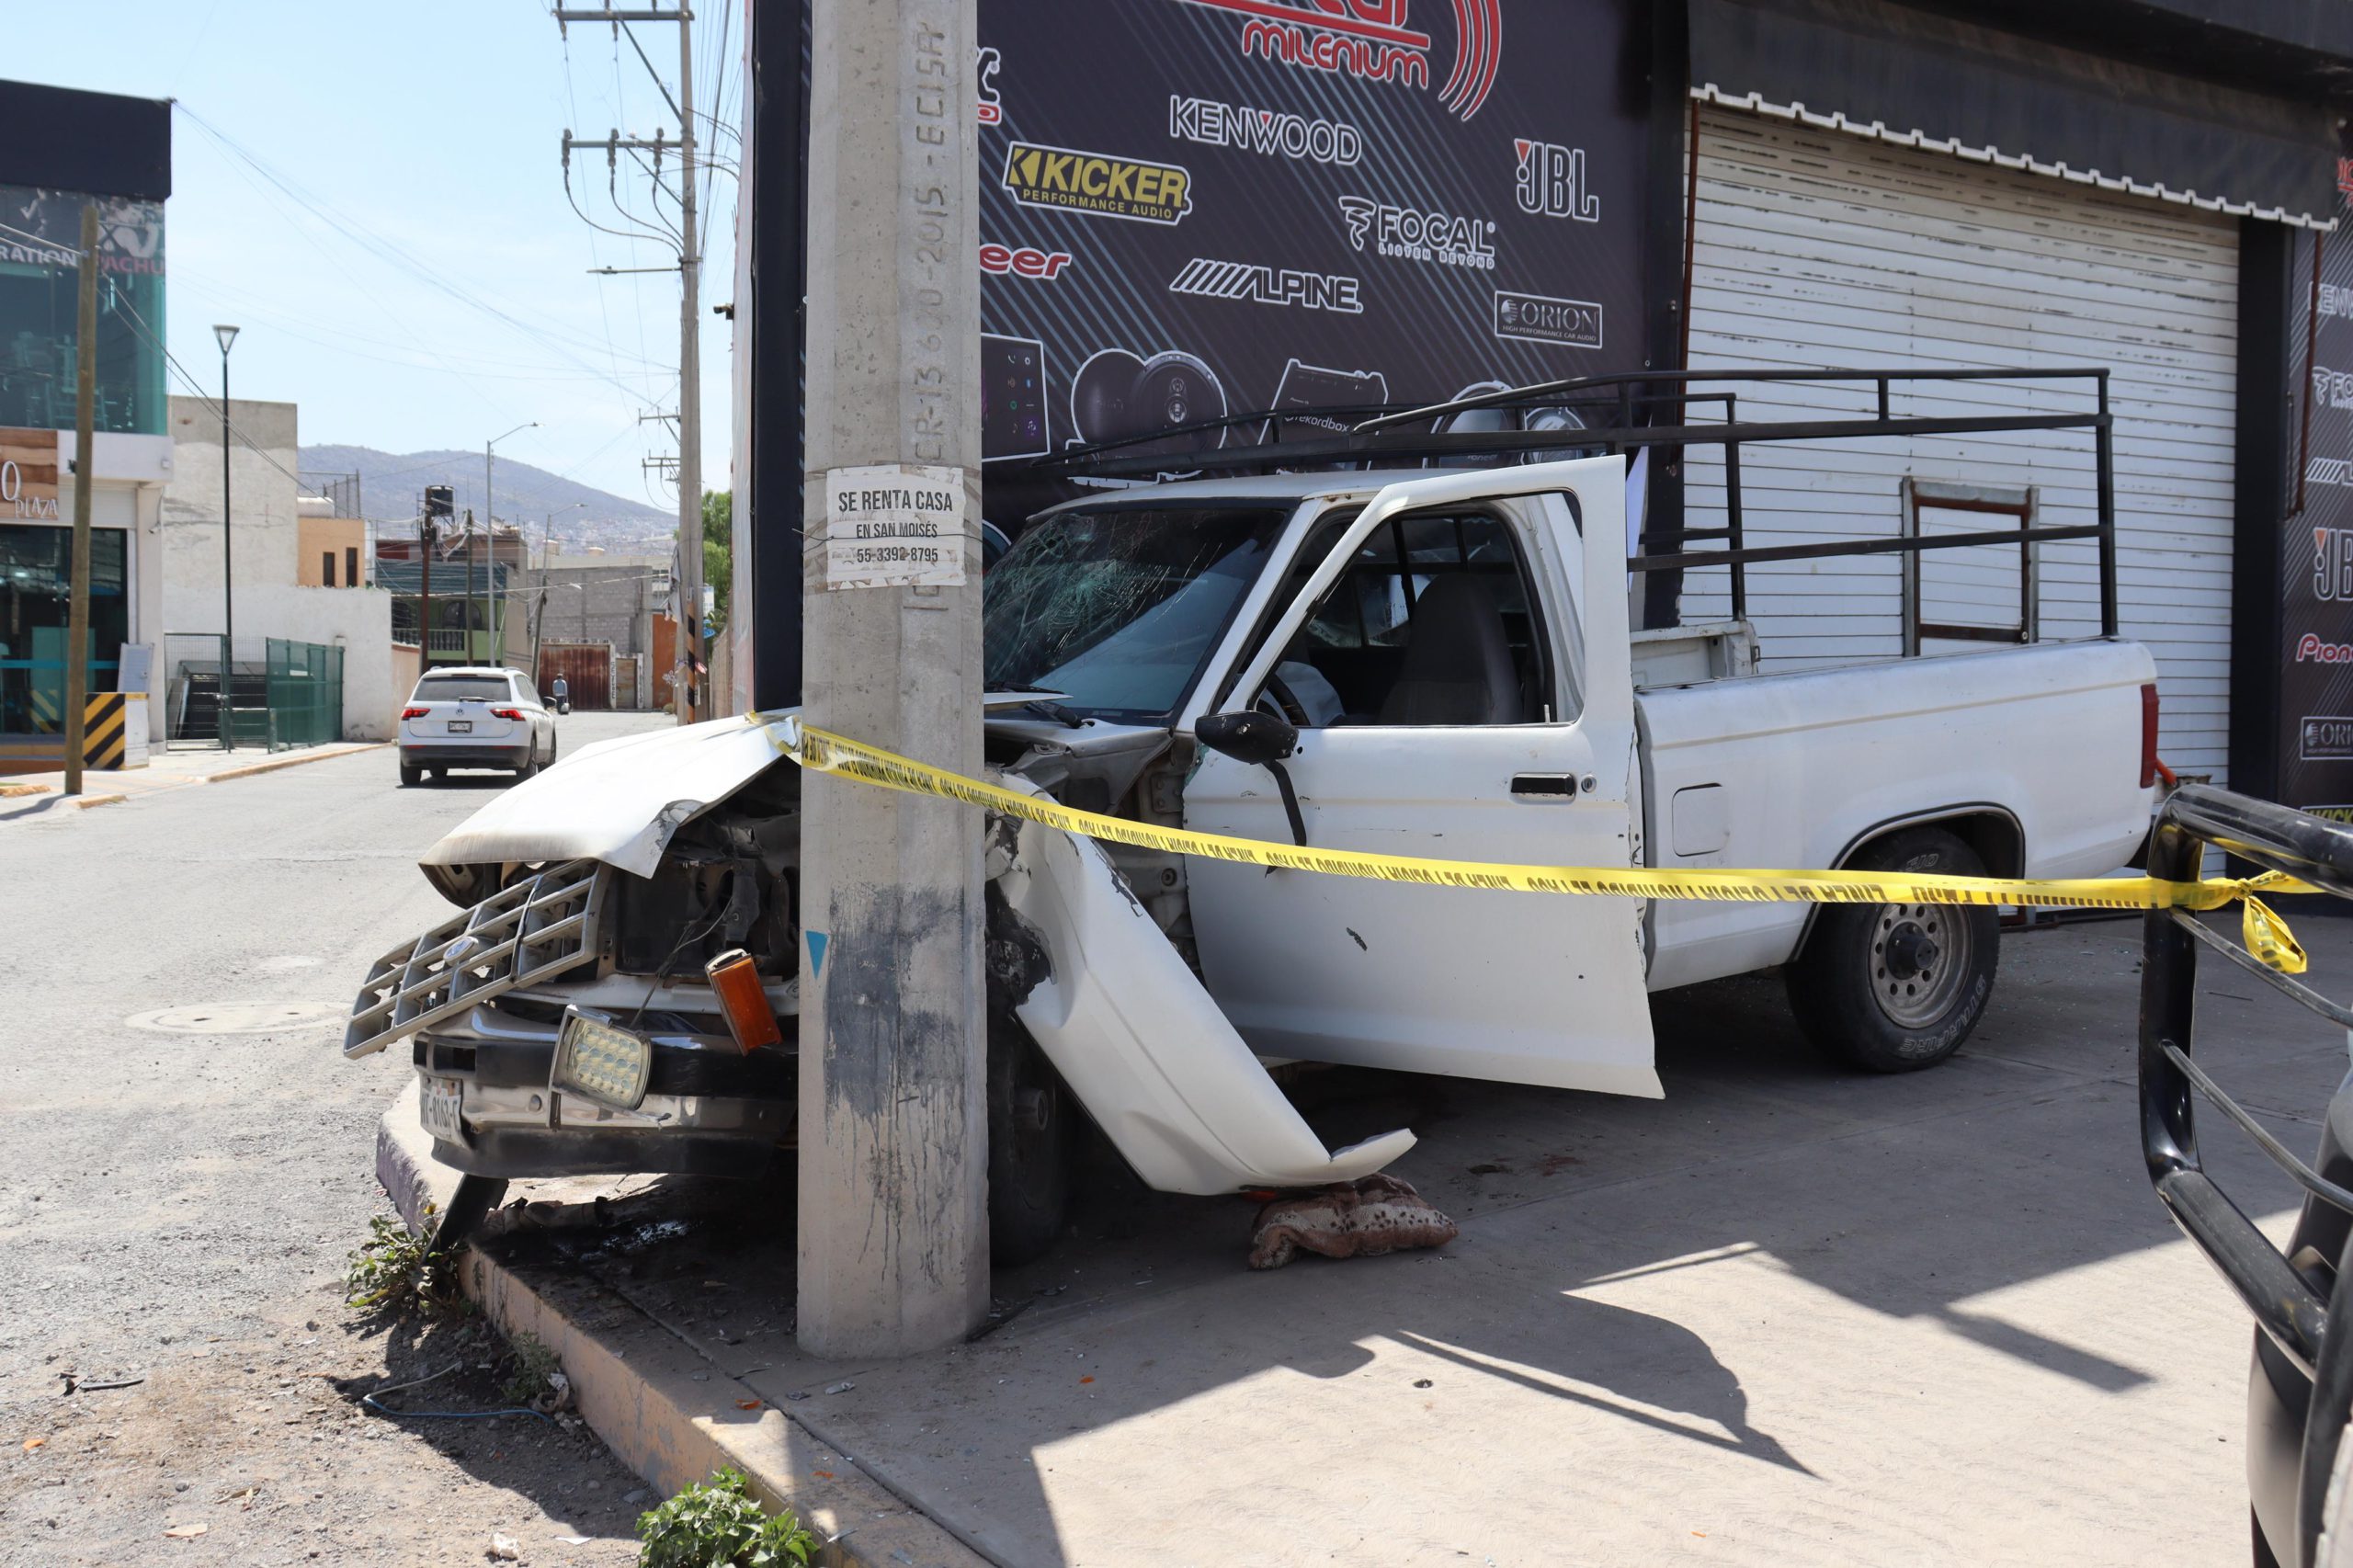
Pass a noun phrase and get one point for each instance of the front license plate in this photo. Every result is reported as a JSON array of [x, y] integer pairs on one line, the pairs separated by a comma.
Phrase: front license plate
[[462, 726], [440, 1105], [596, 1058]]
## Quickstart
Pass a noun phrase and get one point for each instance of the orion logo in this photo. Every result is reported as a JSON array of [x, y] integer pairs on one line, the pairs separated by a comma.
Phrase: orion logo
[[1370, 40], [1416, 235], [1552, 184], [1268, 286]]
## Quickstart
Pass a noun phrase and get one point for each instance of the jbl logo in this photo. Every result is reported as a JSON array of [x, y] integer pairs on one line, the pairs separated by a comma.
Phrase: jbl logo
[[2332, 565], [1553, 182]]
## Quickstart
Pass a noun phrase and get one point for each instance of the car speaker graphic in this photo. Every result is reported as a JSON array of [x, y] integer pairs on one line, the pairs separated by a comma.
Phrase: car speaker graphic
[[1116, 397], [1487, 421]]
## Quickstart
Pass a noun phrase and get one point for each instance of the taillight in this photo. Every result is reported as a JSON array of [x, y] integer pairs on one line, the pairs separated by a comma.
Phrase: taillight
[[415, 712], [518, 712], [2148, 734]]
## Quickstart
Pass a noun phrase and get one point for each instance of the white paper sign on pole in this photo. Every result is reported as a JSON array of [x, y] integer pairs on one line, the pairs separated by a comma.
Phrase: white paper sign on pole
[[893, 526]]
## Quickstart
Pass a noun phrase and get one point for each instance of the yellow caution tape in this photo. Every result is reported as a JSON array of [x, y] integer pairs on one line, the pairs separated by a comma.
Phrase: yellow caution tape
[[2268, 937]]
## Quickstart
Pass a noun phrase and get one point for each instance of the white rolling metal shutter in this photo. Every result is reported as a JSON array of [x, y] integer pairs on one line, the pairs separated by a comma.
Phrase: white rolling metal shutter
[[1825, 249]]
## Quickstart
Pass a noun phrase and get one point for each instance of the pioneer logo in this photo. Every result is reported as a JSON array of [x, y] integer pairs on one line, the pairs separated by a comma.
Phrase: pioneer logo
[[2311, 650], [2332, 565], [1415, 236], [1096, 183], [1538, 318], [1265, 130], [1022, 261], [1268, 286], [1553, 183], [1372, 41]]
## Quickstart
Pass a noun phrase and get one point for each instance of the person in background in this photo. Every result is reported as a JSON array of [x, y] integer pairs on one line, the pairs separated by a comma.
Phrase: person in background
[[560, 690]]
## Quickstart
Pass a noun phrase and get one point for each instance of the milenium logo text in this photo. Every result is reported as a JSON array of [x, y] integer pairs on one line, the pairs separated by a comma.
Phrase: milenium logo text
[[1372, 41], [1268, 286], [1096, 183]]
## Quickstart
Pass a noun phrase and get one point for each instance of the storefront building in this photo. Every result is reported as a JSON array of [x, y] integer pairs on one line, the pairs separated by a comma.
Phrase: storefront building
[[62, 151]]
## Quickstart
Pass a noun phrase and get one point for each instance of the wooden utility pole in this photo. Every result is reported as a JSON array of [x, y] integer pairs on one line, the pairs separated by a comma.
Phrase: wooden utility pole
[[77, 615]]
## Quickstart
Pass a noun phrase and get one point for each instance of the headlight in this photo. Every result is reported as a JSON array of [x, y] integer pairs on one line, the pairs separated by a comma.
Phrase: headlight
[[596, 1057]]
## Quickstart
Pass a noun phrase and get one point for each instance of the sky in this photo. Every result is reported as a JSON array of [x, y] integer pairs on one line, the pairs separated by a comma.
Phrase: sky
[[402, 261]]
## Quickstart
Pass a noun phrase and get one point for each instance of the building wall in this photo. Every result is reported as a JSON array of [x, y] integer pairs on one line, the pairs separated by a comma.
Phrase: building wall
[[360, 621], [603, 598], [262, 494], [344, 537]]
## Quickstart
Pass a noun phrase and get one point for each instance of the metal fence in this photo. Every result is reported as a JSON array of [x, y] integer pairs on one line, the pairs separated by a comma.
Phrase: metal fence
[[305, 694], [291, 697]]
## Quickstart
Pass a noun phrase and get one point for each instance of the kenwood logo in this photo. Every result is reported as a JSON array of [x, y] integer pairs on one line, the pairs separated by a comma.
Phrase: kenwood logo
[[1097, 183], [1370, 40], [1274, 133], [1268, 286], [1552, 182], [1537, 318], [1415, 236]]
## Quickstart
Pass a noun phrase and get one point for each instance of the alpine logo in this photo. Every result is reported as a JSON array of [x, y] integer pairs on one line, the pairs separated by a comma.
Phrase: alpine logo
[[1552, 184], [1274, 133], [1268, 286], [1369, 39], [1539, 318], [1415, 235]]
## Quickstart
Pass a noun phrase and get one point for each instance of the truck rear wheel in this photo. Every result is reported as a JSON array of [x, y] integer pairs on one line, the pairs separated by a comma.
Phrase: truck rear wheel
[[1896, 987], [1029, 1146]]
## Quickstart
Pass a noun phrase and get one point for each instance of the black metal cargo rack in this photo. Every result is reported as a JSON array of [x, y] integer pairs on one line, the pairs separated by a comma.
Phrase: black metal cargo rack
[[1612, 410], [2299, 1303]]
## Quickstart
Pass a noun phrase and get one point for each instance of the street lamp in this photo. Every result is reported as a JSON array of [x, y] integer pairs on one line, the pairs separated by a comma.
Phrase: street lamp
[[489, 517], [227, 336]]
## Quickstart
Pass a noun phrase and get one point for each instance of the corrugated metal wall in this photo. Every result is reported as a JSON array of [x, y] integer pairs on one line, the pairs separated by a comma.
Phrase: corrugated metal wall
[[1824, 248]]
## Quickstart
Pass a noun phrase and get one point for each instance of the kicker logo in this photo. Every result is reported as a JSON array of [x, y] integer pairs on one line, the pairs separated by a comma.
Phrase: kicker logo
[[1552, 184], [1268, 131], [1097, 183], [1268, 286], [1415, 236], [1372, 41]]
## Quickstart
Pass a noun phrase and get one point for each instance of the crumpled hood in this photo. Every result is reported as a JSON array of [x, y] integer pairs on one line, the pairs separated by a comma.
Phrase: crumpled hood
[[618, 801]]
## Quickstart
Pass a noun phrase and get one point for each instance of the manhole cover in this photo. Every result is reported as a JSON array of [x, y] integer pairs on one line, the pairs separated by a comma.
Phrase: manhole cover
[[237, 1017]]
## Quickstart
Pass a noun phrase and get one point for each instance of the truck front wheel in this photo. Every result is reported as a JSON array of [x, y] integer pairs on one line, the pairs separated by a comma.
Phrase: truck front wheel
[[1896, 987], [1029, 1146]]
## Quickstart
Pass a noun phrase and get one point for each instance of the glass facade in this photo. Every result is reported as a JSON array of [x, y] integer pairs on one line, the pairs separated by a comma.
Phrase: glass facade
[[34, 571], [41, 232]]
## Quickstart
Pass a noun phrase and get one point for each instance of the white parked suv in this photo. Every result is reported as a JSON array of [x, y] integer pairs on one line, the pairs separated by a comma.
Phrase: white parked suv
[[474, 717]]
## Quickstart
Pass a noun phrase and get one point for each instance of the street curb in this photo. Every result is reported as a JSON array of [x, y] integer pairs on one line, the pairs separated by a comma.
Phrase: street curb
[[87, 801], [666, 1411], [247, 772]]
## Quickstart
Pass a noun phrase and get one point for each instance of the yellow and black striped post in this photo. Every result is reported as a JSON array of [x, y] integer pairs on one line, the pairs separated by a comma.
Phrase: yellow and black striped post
[[105, 732]]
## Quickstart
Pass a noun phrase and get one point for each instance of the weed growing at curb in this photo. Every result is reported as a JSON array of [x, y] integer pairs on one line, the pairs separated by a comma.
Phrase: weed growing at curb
[[717, 1524], [393, 1271], [531, 1378]]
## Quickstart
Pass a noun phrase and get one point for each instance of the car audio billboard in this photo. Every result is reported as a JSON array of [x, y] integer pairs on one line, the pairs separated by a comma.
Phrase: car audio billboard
[[1198, 209], [2315, 744]]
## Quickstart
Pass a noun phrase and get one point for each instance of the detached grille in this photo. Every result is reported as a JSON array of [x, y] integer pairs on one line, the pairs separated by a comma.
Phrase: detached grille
[[539, 928]]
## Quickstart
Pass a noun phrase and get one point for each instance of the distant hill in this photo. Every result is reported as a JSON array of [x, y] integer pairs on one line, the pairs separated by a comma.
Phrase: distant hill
[[392, 485]]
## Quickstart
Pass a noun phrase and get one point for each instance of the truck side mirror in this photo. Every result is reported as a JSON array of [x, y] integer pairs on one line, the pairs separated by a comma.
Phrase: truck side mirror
[[1258, 739]]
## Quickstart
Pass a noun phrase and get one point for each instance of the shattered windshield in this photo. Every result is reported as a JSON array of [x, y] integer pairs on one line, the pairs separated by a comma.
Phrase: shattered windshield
[[1118, 610]]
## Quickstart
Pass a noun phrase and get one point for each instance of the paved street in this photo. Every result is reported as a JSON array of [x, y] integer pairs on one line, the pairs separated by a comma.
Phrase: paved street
[[177, 1200]]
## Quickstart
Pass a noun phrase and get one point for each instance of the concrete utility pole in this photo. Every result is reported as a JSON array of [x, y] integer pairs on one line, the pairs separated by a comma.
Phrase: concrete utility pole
[[77, 608], [492, 612], [894, 1227], [227, 335]]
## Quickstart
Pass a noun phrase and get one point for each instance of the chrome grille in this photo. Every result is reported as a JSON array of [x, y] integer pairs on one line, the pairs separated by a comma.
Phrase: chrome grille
[[535, 928]]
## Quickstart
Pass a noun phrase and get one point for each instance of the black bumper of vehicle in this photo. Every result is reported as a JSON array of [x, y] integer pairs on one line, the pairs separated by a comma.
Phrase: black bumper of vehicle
[[2300, 1386], [509, 756]]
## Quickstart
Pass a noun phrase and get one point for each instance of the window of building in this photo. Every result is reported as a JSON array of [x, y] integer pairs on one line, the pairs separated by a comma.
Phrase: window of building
[[351, 566], [35, 572], [326, 568]]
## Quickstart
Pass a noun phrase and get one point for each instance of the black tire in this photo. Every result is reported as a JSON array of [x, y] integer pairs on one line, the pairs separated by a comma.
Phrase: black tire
[[1029, 1147], [530, 764], [411, 777], [1893, 988]]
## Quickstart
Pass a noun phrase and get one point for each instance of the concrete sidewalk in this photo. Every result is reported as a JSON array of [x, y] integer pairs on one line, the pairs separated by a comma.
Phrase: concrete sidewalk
[[1785, 1315], [34, 794]]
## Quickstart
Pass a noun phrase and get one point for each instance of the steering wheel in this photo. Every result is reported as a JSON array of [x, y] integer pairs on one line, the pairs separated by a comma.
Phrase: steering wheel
[[1286, 706]]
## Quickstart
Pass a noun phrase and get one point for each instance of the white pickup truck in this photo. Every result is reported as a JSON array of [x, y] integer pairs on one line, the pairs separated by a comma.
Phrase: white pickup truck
[[1444, 657]]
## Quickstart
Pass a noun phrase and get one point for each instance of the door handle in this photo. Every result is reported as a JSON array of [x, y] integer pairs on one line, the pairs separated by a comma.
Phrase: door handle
[[1550, 786]]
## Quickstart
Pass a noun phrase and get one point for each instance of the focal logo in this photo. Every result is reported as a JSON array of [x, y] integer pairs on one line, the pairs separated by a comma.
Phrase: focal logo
[[2327, 739], [1552, 184], [1272, 133], [1096, 183], [2332, 565], [1369, 39], [1022, 261], [1415, 236], [987, 63], [1268, 286], [1538, 318]]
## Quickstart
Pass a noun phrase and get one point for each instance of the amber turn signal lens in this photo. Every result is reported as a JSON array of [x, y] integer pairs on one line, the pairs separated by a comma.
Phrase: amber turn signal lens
[[737, 985]]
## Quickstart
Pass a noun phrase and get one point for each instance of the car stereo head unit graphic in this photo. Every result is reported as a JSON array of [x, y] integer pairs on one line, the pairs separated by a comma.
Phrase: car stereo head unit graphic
[[1116, 395], [1013, 399], [1312, 386]]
